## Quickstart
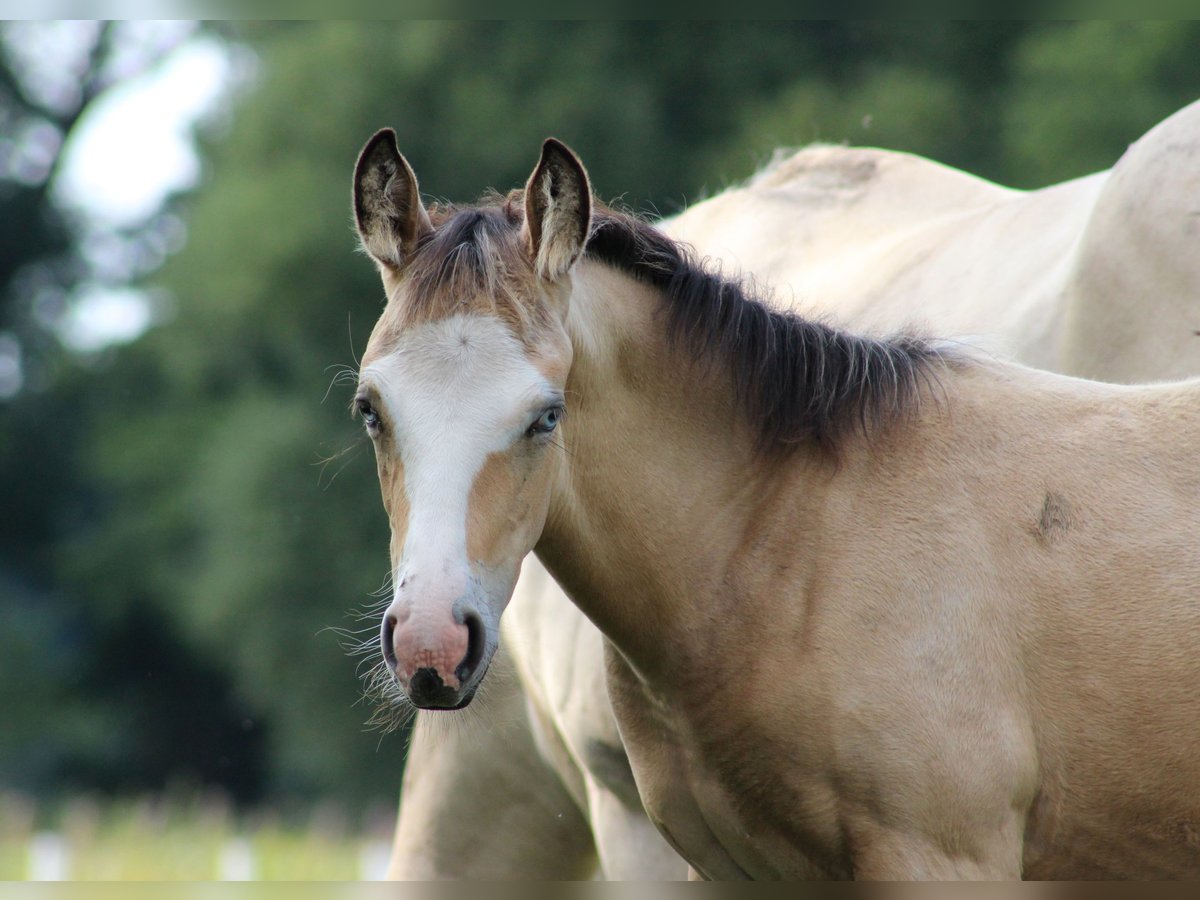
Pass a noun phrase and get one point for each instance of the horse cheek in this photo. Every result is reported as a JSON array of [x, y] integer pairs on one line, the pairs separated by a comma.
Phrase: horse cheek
[[507, 508]]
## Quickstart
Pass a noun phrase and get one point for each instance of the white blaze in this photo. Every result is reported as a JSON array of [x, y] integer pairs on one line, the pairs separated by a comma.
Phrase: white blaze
[[453, 392]]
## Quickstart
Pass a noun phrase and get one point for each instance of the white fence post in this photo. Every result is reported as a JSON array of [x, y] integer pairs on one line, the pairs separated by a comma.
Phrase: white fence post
[[373, 860], [49, 857], [236, 860]]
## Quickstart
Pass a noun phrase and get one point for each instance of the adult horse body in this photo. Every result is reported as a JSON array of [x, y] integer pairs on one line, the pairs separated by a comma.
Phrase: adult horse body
[[878, 613]]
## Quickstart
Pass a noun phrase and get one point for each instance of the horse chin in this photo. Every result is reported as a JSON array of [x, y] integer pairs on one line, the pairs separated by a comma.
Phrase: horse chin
[[467, 697]]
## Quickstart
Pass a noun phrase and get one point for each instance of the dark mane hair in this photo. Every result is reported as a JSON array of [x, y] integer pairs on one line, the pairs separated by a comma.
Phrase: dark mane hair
[[795, 379]]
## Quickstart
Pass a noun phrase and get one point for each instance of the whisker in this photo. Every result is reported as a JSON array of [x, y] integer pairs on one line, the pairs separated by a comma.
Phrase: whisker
[[346, 375], [326, 463], [350, 335], [390, 709], [562, 448]]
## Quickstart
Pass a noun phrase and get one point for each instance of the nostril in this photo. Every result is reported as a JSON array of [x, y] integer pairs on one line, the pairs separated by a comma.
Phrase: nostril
[[475, 643], [387, 636]]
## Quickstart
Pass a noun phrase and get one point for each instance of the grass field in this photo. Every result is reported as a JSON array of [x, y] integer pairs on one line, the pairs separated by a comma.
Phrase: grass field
[[198, 838]]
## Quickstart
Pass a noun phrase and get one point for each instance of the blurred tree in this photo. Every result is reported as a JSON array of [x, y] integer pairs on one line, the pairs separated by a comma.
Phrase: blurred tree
[[929, 88], [1083, 91], [75, 715], [52, 76]]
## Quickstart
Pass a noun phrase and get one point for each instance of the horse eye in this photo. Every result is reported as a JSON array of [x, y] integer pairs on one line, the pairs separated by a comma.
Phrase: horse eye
[[367, 412], [546, 422]]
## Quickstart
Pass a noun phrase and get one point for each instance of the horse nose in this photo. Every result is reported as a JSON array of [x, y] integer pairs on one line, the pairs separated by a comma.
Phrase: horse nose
[[433, 661]]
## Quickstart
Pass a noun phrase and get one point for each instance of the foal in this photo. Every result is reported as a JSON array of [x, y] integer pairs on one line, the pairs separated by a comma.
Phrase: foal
[[877, 612]]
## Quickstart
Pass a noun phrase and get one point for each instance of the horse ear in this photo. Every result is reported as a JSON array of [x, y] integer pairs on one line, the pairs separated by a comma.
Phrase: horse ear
[[387, 203], [558, 210]]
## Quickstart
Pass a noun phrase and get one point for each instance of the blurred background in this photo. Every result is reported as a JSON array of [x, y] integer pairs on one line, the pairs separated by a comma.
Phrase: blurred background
[[190, 521]]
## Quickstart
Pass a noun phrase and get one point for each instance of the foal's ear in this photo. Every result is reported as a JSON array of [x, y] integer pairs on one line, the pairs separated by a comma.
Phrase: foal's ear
[[387, 204], [558, 210]]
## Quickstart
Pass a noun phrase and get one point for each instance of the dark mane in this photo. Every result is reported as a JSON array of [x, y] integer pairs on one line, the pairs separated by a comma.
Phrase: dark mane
[[795, 379]]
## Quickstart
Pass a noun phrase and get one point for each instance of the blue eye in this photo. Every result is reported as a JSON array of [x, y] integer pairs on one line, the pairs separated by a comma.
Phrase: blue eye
[[546, 422], [368, 414]]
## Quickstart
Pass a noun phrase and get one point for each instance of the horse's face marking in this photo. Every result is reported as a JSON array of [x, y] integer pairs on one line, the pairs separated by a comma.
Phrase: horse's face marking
[[464, 422]]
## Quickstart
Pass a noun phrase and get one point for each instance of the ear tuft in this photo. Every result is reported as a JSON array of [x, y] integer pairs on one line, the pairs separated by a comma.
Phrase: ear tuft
[[388, 211], [558, 210]]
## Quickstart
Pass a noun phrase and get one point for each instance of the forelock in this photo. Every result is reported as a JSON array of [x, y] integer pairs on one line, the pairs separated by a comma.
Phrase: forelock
[[473, 261]]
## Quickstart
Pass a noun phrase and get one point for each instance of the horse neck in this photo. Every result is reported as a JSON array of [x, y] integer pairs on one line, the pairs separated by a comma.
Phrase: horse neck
[[659, 481]]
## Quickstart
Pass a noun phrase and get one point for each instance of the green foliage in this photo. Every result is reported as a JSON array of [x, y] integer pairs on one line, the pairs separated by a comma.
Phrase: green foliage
[[894, 107], [95, 694], [1083, 92]]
